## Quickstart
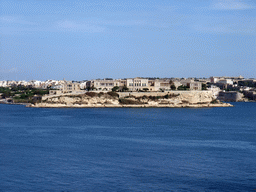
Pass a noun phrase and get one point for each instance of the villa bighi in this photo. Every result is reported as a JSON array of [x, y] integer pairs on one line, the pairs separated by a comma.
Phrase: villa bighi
[[129, 84]]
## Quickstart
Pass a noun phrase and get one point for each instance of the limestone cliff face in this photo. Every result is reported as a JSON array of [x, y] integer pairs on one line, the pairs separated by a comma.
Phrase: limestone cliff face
[[110, 99], [81, 99]]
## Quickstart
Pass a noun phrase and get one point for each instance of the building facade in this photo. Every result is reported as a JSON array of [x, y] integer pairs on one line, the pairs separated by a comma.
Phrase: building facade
[[137, 84], [66, 87]]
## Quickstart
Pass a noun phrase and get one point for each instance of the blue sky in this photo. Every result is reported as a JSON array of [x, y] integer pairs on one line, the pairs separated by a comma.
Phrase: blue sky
[[87, 39]]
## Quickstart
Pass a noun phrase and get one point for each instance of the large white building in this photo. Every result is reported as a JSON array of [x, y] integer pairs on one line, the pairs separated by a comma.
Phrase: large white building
[[106, 84], [136, 84]]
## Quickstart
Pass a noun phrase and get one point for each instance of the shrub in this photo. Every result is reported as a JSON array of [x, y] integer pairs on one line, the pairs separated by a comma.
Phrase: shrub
[[204, 87], [125, 88], [173, 87], [144, 97], [100, 94], [171, 96], [214, 101], [113, 94], [91, 94], [183, 87], [129, 102], [116, 88], [152, 98]]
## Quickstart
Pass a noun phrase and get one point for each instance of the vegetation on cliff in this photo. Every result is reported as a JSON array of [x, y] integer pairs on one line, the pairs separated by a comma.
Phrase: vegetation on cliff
[[114, 99], [106, 98], [22, 94]]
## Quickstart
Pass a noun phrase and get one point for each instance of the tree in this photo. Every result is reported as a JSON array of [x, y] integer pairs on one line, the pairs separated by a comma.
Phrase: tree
[[125, 88], [114, 89], [204, 87], [173, 87], [6, 94], [183, 87], [88, 88]]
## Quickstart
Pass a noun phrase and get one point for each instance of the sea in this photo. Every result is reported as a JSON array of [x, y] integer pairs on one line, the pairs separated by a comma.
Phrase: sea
[[128, 149]]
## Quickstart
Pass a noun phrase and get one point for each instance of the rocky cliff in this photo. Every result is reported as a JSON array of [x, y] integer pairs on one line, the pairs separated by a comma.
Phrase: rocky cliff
[[112, 99]]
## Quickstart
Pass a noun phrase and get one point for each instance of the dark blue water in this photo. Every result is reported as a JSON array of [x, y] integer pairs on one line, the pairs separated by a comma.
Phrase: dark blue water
[[131, 149]]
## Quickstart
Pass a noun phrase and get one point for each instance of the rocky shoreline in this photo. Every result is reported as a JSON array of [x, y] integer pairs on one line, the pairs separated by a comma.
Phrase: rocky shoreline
[[44, 105], [200, 99]]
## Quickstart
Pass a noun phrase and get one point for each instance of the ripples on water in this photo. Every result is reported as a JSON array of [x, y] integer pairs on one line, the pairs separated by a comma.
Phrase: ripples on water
[[131, 149]]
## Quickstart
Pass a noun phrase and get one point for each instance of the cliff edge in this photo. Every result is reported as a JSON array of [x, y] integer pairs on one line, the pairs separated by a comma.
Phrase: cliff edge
[[146, 99]]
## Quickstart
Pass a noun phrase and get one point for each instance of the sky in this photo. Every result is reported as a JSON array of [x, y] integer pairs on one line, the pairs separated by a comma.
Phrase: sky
[[89, 39]]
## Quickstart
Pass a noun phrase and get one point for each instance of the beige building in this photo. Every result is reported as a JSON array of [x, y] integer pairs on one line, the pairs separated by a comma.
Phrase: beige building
[[162, 85], [137, 84], [193, 85], [106, 84], [66, 87]]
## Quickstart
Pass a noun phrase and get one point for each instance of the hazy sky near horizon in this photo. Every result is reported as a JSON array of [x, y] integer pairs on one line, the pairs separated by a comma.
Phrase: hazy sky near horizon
[[87, 39]]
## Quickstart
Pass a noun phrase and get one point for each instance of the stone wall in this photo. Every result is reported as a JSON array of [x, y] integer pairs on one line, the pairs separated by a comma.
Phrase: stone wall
[[230, 96], [250, 95]]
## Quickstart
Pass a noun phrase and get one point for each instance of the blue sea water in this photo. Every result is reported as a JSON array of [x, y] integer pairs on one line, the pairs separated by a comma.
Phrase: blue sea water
[[128, 149]]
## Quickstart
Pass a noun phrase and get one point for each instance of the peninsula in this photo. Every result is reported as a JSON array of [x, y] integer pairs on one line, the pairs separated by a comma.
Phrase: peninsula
[[130, 92], [171, 99]]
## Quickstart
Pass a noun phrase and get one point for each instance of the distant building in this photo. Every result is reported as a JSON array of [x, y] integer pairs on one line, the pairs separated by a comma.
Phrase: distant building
[[215, 91], [226, 81], [83, 85], [105, 84], [191, 84], [66, 87], [247, 83], [137, 84]]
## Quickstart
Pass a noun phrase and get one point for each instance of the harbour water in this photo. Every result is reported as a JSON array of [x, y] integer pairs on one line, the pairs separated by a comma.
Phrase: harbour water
[[128, 149]]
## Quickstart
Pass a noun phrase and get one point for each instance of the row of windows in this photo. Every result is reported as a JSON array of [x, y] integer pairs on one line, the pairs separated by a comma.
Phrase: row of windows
[[138, 84], [105, 84]]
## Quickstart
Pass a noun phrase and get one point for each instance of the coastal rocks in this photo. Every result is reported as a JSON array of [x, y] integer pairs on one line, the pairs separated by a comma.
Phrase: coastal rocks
[[111, 99]]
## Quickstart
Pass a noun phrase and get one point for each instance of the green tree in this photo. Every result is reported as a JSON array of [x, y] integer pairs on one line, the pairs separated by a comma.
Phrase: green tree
[[183, 87], [204, 87], [125, 88], [173, 87], [6, 94], [116, 88]]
